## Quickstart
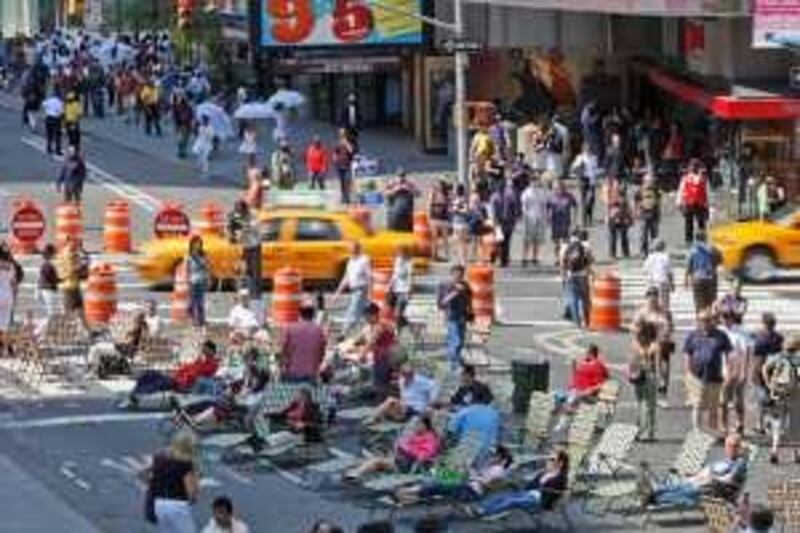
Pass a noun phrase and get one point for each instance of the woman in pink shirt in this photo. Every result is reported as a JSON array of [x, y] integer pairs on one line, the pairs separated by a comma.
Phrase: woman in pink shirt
[[419, 444]]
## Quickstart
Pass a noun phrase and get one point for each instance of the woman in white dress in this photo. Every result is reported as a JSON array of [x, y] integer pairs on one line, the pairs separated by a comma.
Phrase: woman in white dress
[[204, 143], [8, 280], [249, 146]]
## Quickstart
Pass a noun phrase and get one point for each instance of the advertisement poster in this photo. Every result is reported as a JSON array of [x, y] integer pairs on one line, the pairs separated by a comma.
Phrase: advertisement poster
[[776, 23], [338, 22]]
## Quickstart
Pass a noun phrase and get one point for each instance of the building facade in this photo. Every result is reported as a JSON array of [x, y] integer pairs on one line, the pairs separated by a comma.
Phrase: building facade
[[19, 18]]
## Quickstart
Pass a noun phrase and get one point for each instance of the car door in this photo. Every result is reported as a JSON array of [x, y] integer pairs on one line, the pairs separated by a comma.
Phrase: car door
[[275, 248], [319, 247]]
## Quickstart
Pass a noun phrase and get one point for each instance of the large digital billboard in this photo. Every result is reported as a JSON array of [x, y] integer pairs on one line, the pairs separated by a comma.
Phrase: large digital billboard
[[339, 22]]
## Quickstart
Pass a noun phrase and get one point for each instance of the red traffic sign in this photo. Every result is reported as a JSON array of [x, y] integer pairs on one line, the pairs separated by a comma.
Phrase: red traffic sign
[[171, 221], [27, 223]]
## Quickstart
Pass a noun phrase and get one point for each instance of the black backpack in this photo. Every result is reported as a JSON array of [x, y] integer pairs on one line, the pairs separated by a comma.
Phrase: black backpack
[[576, 258]]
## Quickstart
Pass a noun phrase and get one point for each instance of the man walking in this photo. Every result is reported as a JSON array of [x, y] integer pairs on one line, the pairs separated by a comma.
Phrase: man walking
[[576, 272], [647, 202], [693, 201], [356, 279], [317, 163], [534, 220], [701, 273], [505, 212], [183, 115], [560, 208], [455, 299], [658, 271], [72, 177], [400, 195], [705, 350], [54, 116]]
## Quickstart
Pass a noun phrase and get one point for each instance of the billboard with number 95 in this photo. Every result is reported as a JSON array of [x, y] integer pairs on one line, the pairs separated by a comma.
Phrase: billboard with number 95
[[337, 22]]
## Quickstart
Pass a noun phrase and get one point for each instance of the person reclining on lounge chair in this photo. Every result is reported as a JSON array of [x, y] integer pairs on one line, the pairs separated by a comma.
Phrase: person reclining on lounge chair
[[115, 357], [541, 493], [419, 445], [722, 479], [417, 394], [480, 481], [302, 416], [196, 376]]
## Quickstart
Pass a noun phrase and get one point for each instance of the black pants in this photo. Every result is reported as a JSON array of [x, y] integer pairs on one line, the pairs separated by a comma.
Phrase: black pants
[[53, 131], [152, 121], [318, 180], [505, 245], [587, 203], [27, 109], [693, 216], [98, 103], [252, 264], [649, 232], [74, 135], [344, 183], [618, 233]]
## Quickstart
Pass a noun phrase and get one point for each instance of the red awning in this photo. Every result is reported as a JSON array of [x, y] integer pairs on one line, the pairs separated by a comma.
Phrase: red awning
[[728, 107]]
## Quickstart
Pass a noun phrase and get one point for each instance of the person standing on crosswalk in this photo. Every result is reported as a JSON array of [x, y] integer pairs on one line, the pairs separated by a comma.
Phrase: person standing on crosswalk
[[576, 263], [652, 317], [53, 109], [658, 272], [701, 273]]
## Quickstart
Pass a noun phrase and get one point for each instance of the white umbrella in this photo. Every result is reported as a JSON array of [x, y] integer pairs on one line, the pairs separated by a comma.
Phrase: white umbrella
[[220, 121], [254, 111], [286, 98]]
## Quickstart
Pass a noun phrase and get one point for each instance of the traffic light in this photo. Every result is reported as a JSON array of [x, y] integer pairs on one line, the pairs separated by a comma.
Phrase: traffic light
[[184, 12]]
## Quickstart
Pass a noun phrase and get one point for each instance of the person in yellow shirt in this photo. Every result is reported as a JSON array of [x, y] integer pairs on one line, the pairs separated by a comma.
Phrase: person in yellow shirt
[[151, 103], [73, 112], [482, 149]]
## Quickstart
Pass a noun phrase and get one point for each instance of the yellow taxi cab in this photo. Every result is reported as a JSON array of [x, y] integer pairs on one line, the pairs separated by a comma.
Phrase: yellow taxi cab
[[317, 242], [757, 248]]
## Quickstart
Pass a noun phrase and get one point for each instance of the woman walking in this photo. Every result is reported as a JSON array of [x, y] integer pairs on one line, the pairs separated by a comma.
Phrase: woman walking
[[198, 274], [173, 485], [642, 374], [204, 144], [460, 215], [343, 155], [249, 146]]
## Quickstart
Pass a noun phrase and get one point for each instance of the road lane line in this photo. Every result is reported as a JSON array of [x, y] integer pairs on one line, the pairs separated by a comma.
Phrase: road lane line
[[82, 420], [108, 181]]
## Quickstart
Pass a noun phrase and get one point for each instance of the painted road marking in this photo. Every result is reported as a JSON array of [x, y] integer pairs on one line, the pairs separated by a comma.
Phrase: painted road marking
[[82, 420], [68, 471], [106, 180]]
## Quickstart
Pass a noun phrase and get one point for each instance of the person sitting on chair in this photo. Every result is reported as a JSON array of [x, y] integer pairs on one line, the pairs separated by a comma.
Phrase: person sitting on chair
[[376, 345], [588, 377], [722, 479], [115, 357], [471, 390], [417, 395], [419, 445], [541, 493]]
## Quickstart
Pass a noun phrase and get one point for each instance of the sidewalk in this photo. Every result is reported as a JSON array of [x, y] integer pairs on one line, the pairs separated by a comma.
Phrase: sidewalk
[[28, 507]]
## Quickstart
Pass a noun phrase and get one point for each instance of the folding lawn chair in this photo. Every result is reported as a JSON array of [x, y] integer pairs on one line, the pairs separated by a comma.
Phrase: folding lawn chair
[[536, 431], [608, 457]]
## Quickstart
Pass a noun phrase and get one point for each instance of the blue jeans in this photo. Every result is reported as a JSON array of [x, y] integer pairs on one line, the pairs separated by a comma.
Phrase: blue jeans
[[576, 294], [529, 500], [359, 298], [207, 387], [456, 332], [680, 493], [197, 303]]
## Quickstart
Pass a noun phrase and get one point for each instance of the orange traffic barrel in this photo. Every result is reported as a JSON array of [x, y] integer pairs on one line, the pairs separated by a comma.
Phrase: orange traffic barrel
[[212, 220], [27, 226], [380, 294], [179, 300], [361, 215], [605, 312], [117, 227], [286, 293], [69, 223], [100, 303], [422, 231], [480, 277]]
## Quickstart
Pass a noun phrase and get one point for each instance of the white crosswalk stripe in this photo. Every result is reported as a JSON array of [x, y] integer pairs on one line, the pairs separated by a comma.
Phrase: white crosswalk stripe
[[783, 300]]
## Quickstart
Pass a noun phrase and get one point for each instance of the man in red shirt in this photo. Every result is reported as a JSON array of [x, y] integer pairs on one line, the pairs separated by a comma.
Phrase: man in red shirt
[[317, 162], [588, 376]]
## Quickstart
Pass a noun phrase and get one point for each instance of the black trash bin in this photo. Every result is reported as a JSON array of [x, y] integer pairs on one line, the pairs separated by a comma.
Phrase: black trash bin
[[528, 377]]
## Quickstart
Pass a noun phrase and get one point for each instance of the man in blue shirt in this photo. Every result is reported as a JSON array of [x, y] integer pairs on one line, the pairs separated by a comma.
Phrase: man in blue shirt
[[704, 351], [701, 272], [477, 419]]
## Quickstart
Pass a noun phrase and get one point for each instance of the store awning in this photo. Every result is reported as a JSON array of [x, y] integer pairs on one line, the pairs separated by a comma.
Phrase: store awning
[[727, 107]]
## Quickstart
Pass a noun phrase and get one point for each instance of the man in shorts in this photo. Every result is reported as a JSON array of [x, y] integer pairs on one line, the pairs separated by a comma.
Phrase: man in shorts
[[735, 370], [560, 207], [534, 220], [705, 349]]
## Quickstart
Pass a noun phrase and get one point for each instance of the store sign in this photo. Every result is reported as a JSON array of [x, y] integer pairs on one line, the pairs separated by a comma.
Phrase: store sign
[[339, 22], [665, 8], [337, 65], [776, 23]]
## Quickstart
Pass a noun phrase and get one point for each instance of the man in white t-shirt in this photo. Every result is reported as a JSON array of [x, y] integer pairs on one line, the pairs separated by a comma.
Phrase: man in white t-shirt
[[53, 108], [242, 319], [534, 220], [658, 272], [735, 369], [223, 519], [356, 279]]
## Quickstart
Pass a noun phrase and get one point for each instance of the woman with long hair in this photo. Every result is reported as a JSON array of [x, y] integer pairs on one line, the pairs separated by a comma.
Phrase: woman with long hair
[[173, 486]]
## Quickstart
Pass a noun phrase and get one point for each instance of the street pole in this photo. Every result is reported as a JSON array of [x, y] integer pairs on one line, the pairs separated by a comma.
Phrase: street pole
[[460, 111]]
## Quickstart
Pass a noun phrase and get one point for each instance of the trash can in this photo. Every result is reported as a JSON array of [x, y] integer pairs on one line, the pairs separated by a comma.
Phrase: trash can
[[528, 377]]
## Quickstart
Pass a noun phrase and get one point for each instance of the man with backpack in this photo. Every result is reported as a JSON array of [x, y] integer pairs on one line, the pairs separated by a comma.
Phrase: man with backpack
[[701, 273], [693, 200], [780, 375], [647, 202], [576, 270]]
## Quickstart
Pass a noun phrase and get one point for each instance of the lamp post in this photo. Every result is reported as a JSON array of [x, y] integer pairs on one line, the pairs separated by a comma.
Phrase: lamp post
[[457, 29]]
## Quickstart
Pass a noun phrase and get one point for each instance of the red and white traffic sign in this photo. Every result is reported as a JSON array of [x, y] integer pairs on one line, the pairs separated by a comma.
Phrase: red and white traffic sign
[[27, 223], [171, 221]]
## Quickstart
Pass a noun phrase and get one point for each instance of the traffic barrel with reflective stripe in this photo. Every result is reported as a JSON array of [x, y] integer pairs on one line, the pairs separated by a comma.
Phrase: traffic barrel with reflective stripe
[[480, 277], [117, 227], [69, 223], [605, 312], [422, 231], [179, 300], [212, 220], [286, 294], [27, 226], [362, 216], [380, 294], [100, 302]]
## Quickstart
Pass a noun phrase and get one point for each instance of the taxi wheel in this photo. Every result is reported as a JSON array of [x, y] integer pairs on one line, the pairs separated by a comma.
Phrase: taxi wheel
[[759, 264]]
